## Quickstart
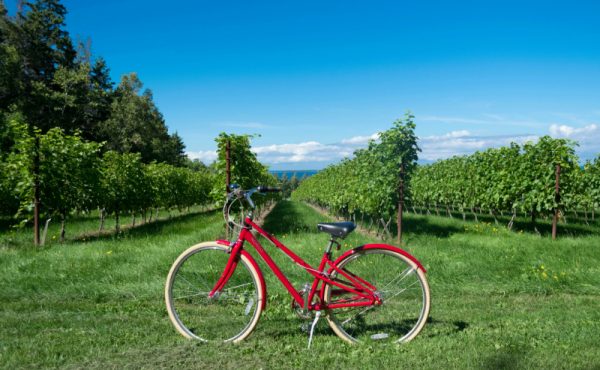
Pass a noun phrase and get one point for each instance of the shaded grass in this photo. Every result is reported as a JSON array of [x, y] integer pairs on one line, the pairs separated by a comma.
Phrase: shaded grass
[[99, 304], [573, 226], [85, 227]]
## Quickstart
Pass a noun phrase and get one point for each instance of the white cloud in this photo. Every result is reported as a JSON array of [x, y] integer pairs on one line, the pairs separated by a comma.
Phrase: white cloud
[[572, 132], [450, 135], [361, 139], [462, 142], [310, 151], [588, 138], [207, 156], [434, 147]]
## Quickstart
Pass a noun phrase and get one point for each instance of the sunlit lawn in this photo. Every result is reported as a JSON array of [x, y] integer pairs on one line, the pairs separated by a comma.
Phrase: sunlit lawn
[[499, 300]]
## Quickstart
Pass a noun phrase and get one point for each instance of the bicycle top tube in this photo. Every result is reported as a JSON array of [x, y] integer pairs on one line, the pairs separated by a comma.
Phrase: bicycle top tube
[[364, 294]]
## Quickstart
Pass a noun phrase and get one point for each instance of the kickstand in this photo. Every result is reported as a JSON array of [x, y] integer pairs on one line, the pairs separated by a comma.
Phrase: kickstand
[[312, 327]]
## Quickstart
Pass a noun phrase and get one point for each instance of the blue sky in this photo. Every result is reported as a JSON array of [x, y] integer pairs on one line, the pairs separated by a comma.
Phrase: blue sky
[[317, 79]]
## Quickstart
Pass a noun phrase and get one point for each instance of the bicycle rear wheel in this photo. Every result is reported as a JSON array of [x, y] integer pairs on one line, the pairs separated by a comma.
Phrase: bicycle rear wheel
[[231, 315], [402, 287]]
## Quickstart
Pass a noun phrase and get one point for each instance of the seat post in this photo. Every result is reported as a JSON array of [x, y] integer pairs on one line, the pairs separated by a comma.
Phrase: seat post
[[332, 241]]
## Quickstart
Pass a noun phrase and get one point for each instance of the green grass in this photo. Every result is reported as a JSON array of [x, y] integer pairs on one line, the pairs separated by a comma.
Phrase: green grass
[[499, 300], [83, 227]]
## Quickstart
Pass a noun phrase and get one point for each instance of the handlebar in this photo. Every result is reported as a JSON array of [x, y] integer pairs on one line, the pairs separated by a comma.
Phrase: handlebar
[[267, 189], [239, 193]]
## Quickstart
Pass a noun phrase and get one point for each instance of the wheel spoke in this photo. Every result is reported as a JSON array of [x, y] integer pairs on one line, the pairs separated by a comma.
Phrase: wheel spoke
[[401, 291], [228, 316], [192, 295], [190, 284], [403, 274], [404, 299]]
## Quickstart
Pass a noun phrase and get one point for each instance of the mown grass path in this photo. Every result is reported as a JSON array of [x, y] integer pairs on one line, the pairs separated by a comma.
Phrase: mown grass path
[[499, 299]]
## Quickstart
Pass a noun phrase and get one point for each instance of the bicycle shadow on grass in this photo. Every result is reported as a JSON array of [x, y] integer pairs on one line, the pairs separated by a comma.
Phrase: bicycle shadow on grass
[[292, 328], [436, 328], [277, 321]]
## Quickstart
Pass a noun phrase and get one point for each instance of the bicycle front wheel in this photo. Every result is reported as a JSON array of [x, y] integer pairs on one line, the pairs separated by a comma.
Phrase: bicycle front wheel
[[402, 287], [229, 316]]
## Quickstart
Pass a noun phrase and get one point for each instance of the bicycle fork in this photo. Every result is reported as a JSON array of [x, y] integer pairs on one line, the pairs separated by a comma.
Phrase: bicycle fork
[[228, 272]]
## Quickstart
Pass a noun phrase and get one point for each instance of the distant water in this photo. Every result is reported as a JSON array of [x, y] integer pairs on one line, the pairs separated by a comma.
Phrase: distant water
[[299, 174]]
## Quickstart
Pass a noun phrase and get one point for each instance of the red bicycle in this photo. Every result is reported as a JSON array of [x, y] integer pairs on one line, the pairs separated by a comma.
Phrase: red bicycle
[[216, 291]]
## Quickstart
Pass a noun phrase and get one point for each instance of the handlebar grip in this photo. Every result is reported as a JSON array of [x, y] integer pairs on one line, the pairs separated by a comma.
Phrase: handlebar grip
[[267, 189]]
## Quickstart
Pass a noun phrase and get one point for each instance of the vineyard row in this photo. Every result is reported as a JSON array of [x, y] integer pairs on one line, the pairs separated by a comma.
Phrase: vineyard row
[[73, 176], [513, 179]]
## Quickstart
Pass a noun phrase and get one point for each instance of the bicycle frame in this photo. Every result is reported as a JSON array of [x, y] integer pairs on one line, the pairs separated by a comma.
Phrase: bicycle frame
[[364, 294]]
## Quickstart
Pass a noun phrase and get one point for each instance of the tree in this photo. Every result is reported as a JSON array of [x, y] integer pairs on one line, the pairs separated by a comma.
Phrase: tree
[[195, 165], [43, 46], [284, 183], [592, 184], [246, 170], [10, 74], [47, 85], [369, 183], [69, 96], [15, 166], [97, 102], [244, 165], [173, 150], [398, 152], [122, 181], [136, 125], [294, 182], [69, 174]]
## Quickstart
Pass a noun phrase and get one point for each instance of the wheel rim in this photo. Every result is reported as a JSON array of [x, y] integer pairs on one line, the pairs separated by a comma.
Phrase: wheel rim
[[404, 292], [231, 315]]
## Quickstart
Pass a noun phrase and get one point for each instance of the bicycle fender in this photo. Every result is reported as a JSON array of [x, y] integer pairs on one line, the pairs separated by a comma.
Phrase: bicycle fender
[[252, 261], [381, 246]]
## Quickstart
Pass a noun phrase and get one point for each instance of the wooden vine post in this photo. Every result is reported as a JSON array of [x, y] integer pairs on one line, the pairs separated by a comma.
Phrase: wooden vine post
[[227, 166], [227, 179], [36, 190], [400, 202], [557, 200]]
